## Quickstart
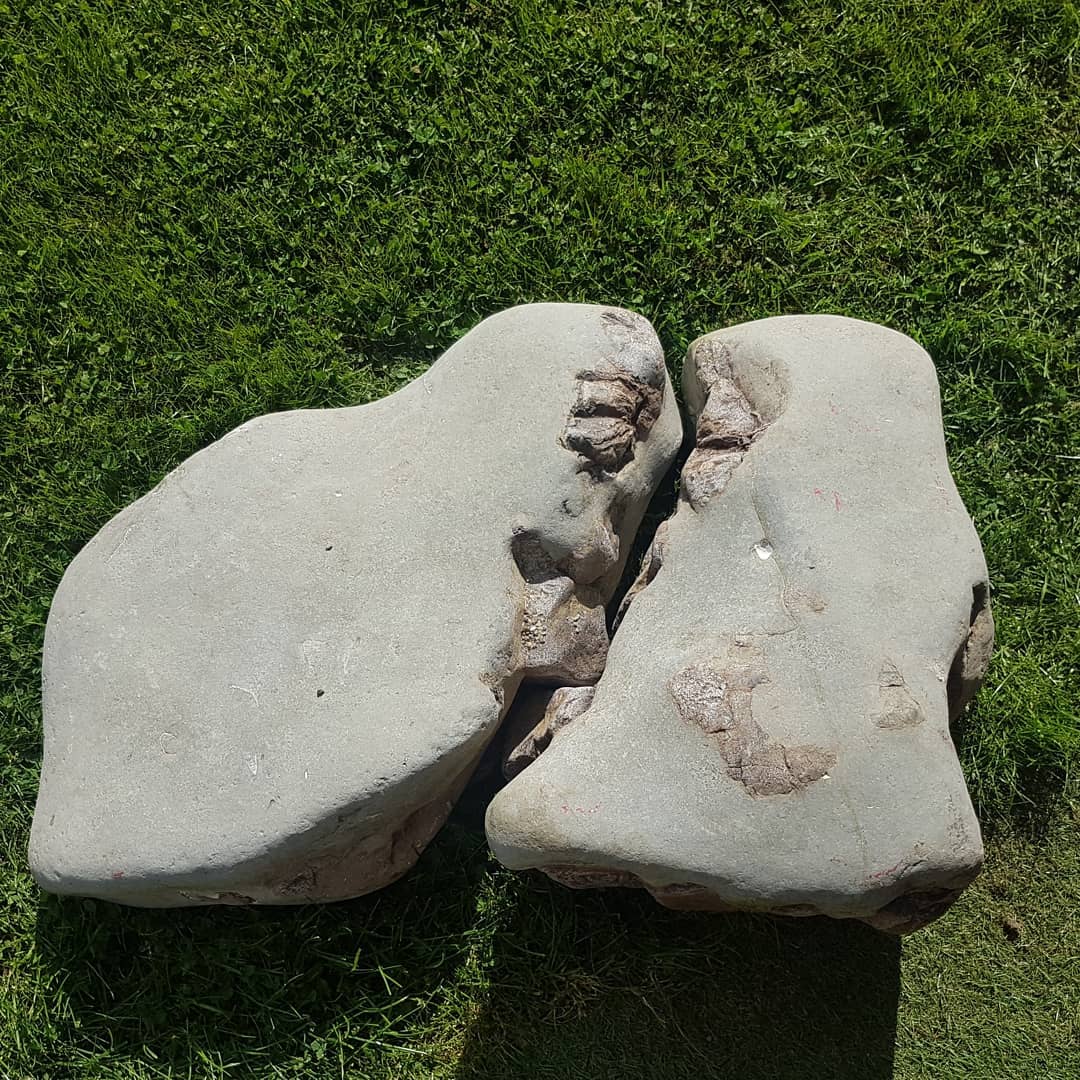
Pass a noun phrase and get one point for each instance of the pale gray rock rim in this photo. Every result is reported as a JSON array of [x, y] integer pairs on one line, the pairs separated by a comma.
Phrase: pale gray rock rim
[[268, 679], [771, 730]]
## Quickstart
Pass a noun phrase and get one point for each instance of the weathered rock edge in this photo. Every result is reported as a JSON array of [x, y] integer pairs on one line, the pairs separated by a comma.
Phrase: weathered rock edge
[[144, 797], [716, 696]]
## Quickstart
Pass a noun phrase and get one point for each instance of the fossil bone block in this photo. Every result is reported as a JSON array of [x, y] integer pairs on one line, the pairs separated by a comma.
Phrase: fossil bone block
[[268, 679], [771, 732]]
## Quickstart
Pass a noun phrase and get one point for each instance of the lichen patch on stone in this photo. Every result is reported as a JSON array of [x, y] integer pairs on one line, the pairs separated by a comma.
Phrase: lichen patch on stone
[[706, 473]]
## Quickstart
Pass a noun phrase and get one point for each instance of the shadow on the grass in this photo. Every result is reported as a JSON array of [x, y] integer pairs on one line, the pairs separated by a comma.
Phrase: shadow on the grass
[[261, 991], [619, 987], [609, 984], [549, 982]]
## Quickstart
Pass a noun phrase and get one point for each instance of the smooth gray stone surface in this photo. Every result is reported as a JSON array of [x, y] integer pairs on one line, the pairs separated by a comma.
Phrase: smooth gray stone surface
[[771, 732], [268, 679]]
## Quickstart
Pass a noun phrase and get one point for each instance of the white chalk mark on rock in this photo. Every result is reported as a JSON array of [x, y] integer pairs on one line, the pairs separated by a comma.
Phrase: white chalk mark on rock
[[123, 540], [249, 690]]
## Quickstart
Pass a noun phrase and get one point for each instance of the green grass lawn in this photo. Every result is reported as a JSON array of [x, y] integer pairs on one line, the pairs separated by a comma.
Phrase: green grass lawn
[[211, 211]]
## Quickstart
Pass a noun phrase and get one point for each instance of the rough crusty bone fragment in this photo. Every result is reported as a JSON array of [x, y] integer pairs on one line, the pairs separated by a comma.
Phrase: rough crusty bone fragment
[[268, 680], [563, 633], [719, 699], [619, 400], [538, 715], [726, 426], [771, 729]]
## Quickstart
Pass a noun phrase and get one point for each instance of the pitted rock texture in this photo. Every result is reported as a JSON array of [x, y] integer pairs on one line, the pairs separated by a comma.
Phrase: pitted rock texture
[[563, 634], [268, 680], [771, 729]]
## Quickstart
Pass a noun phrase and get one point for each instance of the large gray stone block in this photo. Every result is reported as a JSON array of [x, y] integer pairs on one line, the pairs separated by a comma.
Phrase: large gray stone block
[[772, 729], [268, 679]]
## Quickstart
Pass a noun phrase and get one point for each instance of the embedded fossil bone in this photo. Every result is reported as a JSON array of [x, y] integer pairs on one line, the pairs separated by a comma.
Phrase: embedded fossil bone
[[267, 680], [771, 729]]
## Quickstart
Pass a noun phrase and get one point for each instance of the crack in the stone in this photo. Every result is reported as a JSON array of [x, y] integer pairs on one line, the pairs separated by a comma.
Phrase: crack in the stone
[[726, 428], [774, 558], [562, 636]]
